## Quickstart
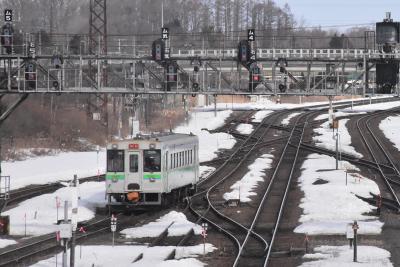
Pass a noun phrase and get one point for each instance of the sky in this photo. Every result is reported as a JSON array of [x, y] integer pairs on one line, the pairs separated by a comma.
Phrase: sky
[[341, 12]]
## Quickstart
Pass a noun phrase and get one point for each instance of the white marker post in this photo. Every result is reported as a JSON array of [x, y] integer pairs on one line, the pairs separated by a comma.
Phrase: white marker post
[[204, 227], [74, 218], [113, 227]]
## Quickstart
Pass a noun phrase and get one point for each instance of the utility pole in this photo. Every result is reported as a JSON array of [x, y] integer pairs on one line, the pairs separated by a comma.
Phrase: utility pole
[[337, 149]]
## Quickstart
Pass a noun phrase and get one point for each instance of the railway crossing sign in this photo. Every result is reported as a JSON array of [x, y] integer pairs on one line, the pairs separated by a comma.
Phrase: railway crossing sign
[[8, 16], [204, 233], [113, 223]]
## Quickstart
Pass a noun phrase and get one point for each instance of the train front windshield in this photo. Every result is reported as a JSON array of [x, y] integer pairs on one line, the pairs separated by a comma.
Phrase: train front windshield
[[115, 161], [152, 160]]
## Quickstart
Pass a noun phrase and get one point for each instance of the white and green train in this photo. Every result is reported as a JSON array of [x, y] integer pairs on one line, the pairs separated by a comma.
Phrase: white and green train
[[152, 170]]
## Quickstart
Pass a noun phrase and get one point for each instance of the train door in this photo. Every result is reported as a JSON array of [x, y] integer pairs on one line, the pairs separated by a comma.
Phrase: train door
[[134, 170]]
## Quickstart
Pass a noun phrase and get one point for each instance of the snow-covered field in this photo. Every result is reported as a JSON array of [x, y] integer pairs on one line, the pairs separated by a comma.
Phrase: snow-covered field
[[338, 114], [180, 226], [329, 207], [330, 256], [122, 256], [264, 103], [52, 168], [326, 138], [390, 127], [248, 183], [373, 107], [41, 212]]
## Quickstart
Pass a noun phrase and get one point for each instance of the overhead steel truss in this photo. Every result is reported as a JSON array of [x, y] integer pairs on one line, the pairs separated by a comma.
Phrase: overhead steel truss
[[219, 73]]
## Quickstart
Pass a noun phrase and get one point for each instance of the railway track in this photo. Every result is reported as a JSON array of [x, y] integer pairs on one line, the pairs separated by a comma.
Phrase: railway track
[[378, 153], [25, 193], [209, 212], [30, 250], [271, 207], [295, 132], [44, 244]]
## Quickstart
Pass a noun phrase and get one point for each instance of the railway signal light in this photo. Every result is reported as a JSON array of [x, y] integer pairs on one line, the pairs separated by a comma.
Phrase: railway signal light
[[158, 50], [57, 61], [30, 74], [255, 76], [6, 37], [244, 52]]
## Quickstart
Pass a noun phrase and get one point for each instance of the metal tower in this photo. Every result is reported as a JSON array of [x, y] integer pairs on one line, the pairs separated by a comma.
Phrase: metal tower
[[97, 105]]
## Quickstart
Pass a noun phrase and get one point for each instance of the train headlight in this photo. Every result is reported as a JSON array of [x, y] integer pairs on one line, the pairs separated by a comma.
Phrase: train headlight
[[152, 180]]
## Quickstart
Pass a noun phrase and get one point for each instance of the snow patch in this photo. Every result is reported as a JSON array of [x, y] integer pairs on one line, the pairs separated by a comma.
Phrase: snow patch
[[390, 127], [248, 183], [286, 120], [245, 128], [6, 242], [180, 226], [367, 256], [63, 166], [328, 208], [41, 211], [260, 115], [124, 256], [209, 144], [326, 138]]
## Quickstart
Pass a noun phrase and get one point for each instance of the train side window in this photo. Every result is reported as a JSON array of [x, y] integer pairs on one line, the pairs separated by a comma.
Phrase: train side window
[[133, 163], [174, 166], [170, 164], [186, 161], [191, 156], [180, 159]]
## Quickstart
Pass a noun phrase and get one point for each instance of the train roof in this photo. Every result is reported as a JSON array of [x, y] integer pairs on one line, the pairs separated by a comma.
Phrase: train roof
[[162, 137]]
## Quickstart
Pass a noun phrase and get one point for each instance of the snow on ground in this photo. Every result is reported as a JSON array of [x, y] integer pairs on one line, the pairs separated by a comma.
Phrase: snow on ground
[[248, 183], [367, 256], [47, 169], [209, 143], [245, 128], [326, 138], [260, 115], [41, 211], [390, 127], [205, 171], [122, 256], [373, 107], [6, 242], [263, 103], [329, 207], [286, 120], [179, 227], [338, 114]]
